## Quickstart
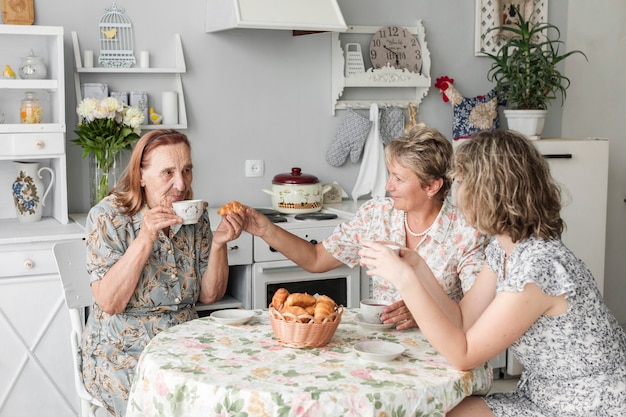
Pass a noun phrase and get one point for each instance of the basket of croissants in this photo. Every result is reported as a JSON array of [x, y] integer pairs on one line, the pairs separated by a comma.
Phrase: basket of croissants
[[302, 320]]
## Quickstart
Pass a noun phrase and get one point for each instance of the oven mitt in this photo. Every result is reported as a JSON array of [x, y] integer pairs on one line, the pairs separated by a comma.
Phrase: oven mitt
[[391, 123], [349, 139]]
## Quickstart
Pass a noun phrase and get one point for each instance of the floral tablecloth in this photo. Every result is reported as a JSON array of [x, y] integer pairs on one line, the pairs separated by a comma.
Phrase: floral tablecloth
[[202, 368]]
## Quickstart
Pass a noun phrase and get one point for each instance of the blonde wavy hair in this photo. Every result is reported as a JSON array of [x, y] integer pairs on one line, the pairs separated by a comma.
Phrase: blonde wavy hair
[[128, 191], [426, 152], [505, 187]]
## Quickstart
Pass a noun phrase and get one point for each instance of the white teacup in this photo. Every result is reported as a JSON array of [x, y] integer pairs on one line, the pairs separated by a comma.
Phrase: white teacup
[[395, 248], [189, 210], [372, 309]]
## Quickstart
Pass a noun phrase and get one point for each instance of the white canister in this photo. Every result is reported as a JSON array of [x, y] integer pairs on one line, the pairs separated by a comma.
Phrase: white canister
[[170, 107], [139, 99], [121, 96], [95, 90], [88, 58], [144, 59]]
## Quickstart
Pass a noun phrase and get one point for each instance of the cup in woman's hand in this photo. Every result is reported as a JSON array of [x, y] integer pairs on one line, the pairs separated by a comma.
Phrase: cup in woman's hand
[[189, 210], [372, 309], [395, 248]]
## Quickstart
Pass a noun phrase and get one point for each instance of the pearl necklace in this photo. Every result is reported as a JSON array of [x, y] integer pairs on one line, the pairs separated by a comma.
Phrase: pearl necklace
[[411, 232]]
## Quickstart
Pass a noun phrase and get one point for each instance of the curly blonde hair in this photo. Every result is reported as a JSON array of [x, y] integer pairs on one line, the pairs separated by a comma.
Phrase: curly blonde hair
[[426, 152], [505, 186]]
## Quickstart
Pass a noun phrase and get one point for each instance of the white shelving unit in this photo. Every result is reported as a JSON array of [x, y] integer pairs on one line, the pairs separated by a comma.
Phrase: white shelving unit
[[35, 353], [387, 78], [105, 74]]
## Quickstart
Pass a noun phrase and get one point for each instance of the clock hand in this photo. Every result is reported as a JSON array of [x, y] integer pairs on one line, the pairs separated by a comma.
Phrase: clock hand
[[393, 52]]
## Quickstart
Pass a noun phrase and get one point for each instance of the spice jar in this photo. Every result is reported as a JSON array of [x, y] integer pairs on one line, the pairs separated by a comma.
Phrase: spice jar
[[30, 111]]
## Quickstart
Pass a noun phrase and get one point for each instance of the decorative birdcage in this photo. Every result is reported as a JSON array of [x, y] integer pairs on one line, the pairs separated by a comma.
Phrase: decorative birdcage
[[116, 39]]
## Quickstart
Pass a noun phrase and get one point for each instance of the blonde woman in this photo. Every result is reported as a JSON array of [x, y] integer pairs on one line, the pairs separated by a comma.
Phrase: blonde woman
[[533, 294]]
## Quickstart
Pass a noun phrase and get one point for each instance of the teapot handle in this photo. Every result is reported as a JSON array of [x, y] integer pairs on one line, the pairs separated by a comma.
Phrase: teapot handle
[[43, 200]]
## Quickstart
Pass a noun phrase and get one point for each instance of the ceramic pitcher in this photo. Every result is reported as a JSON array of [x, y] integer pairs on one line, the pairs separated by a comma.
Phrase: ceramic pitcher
[[27, 189]]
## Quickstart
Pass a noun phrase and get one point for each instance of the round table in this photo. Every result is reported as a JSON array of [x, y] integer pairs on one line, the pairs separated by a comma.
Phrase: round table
[[202, 368]]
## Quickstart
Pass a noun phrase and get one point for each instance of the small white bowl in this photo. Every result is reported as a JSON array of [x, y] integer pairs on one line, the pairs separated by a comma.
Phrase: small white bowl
[[232, 316], [378, 350]]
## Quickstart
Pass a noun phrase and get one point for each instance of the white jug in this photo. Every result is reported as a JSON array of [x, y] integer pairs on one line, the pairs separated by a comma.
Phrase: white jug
[[27, 190]]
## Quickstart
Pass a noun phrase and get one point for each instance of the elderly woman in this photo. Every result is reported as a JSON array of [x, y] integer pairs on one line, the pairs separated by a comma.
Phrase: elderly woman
[[147, 269], [533, 294], [417, 214]]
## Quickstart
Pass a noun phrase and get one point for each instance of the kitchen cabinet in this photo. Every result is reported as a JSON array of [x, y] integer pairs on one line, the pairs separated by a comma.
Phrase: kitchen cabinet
[[376, 85], [581, 168], [238, 293], [41, 142], [35, 353], [134, 77]]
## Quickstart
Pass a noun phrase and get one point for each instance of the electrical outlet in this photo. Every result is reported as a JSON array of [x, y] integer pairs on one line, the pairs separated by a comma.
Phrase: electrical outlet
[[254, 168]]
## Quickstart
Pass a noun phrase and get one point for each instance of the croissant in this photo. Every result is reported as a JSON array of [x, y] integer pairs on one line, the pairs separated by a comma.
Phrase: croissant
[[232, 207], [325, 299], [303, 300], [296, 311], [323, 310], [279, 298]]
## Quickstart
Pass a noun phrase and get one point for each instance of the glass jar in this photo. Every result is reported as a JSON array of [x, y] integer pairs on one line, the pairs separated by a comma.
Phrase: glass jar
[[30, 110], [32, 67]]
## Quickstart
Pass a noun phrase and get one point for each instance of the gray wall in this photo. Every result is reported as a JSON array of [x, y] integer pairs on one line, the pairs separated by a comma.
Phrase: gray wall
[[257, 94], [595, 107]]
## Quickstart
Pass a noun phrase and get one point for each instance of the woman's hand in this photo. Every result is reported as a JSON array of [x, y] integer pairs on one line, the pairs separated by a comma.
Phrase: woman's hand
[[230, 228], [155, 219], [256, 223], [383, 262], [398, 313]]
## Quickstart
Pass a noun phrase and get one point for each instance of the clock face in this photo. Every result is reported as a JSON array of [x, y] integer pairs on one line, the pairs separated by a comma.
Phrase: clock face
[[398, 47]]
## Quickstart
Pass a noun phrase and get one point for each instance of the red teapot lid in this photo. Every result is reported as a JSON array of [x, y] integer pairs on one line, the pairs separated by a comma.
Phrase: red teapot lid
[[295, 177]]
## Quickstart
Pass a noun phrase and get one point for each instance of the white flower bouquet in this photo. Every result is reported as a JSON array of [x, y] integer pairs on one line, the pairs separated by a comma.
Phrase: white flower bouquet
[[105, 128]]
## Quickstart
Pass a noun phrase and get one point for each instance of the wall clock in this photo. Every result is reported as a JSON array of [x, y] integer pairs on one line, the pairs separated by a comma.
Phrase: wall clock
[[398, 47]]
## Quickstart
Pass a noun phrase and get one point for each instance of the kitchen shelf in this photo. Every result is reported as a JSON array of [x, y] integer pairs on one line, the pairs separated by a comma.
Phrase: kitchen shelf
[[41, 142], [175, 71], [387, 78]]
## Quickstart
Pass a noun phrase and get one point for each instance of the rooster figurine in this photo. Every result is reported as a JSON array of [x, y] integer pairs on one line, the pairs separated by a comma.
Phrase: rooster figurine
[[471, 114], [8, 73]]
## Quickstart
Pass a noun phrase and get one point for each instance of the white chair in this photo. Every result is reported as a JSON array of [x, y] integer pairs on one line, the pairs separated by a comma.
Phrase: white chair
[[70, 259]]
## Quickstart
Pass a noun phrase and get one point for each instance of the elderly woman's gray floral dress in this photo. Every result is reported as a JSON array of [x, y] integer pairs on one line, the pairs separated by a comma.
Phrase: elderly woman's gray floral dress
[[574, 363], [165, 296]]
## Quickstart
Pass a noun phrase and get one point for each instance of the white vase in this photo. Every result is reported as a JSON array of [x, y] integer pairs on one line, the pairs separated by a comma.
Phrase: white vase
[[27, 189], [527, 122]]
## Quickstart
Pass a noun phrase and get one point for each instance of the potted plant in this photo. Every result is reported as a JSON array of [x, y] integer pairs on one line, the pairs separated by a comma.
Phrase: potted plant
[[525, 71]]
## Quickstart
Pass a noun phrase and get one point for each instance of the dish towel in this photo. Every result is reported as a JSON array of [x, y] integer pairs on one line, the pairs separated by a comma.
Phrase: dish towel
[[373, 172]]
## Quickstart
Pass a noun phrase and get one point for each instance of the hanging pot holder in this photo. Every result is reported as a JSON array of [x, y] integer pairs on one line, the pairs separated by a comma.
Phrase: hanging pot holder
[[391, 123], [349, 139]]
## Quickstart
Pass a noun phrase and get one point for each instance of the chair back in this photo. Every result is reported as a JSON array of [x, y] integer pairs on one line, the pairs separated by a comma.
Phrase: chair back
[[70, 257]]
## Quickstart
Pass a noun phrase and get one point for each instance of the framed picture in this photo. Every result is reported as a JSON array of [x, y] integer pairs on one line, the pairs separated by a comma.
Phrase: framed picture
[[493, 13]]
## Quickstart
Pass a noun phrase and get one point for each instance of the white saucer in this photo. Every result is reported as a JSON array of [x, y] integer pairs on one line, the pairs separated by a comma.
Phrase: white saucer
[[232, 316], [371, 326], [378, 350]]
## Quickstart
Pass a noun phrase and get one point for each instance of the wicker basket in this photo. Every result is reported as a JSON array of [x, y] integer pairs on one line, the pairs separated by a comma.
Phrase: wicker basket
[[291, 331]]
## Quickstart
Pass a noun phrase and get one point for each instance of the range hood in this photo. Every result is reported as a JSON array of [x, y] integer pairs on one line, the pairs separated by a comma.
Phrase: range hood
[[299, 15]]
